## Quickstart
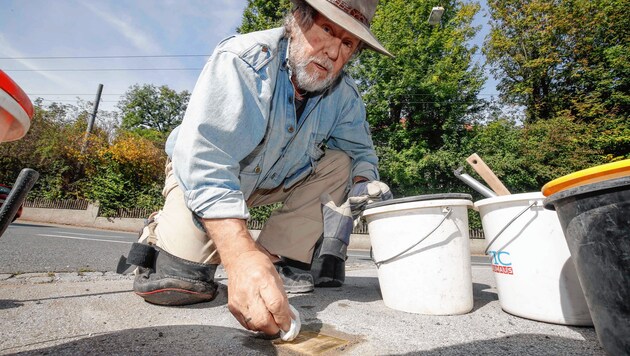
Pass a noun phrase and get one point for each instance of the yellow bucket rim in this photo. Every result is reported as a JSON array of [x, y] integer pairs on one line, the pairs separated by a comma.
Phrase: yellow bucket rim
[[586, 176]]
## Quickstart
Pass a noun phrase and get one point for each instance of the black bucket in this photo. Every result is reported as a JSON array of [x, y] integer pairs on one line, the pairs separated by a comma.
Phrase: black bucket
[[595, 219]]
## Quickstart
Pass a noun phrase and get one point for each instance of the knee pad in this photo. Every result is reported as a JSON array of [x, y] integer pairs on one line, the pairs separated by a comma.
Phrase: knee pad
[[165, 279]]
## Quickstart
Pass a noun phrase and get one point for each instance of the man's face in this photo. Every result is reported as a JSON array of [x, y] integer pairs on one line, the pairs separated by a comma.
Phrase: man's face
[[318, 54]]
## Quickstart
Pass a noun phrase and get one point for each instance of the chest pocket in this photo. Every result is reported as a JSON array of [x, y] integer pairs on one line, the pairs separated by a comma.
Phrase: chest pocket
[[314, 153]]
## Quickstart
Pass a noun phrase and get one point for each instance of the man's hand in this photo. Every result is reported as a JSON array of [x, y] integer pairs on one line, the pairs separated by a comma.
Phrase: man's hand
[[366, 192], [256, 295], [339, 220]]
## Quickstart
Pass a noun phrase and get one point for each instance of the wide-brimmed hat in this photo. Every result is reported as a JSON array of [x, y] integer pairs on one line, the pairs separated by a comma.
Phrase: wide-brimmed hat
[[354, 16]]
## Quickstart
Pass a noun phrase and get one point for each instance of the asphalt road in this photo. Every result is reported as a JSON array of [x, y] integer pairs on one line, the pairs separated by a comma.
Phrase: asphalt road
[[31, 247], [28, 247]]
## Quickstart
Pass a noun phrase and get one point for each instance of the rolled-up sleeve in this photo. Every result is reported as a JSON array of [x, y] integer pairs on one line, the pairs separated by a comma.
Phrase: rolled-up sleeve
[[223, 123], [352, 135]]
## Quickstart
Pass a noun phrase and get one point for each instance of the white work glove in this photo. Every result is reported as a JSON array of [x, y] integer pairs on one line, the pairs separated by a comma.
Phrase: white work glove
[[339, 220], [338, 224], [366, 192]]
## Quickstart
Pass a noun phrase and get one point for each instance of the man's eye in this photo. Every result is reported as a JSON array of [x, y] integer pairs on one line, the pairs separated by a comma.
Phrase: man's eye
[[327, 29], [348, 44]]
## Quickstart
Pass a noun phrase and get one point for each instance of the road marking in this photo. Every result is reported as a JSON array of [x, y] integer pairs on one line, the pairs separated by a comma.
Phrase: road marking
[[84, 234], [85, 238]]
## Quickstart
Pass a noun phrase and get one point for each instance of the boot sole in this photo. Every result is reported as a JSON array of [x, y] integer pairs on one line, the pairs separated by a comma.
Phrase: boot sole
[[302, 289], [326, 282], [175, 297]]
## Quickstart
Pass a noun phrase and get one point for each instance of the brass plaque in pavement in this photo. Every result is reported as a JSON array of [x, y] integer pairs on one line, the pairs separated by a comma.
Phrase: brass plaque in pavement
[[312, 343]]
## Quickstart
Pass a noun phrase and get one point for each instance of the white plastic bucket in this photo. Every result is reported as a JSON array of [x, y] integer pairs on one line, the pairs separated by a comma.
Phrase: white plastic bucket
[[532, 265], [14, 122], [434, 276]]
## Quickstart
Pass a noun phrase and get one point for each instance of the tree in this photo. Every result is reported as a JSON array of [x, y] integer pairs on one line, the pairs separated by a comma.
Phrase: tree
[[127, 173], [152, 111], [263, 14], [53, 148], [421, 99], [549, 64], [523, 49]]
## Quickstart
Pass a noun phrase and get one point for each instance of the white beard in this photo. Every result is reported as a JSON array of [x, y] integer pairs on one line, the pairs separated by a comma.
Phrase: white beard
[[299, 60]]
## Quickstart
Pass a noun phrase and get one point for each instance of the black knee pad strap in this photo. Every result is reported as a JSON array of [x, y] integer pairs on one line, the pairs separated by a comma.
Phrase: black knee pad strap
[[142, 255]]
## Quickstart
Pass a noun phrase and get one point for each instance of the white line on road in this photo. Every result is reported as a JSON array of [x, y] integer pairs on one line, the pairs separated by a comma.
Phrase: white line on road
[[85, 238], [95, 235]]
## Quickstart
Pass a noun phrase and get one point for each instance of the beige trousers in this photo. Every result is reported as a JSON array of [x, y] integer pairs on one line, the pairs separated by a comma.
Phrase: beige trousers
[[291, 231]]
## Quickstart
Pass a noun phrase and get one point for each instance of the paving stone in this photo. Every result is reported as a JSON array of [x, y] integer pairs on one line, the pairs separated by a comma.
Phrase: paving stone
[[31, 275], [41, 280]]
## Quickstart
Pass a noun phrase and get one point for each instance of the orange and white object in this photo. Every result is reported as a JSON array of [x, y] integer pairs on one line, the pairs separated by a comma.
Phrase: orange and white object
[[16, 110]]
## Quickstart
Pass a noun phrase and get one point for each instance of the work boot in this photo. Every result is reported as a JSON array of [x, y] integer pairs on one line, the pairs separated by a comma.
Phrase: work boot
[[294, 282], [165, 279], [328, 270]]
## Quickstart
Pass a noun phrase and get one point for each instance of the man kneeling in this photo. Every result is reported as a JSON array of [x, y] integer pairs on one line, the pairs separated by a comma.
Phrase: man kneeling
[[273, 118]]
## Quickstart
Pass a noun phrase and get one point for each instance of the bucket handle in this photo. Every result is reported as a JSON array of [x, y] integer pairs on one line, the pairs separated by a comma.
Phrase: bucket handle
[[379, 263], [508, 225]]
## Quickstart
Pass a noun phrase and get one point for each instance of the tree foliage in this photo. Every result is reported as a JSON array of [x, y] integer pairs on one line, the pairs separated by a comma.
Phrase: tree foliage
[[53, 147], [263, 14], [422, 99], [562, 56], [115, 167], [423, 105], [152, 111]]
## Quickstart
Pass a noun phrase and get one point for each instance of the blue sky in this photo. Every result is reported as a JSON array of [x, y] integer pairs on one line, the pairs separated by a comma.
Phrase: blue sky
[[79, 28], [106, 28]]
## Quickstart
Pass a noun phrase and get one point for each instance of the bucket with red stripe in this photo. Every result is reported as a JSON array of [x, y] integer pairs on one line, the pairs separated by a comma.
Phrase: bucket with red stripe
[[16, 110]]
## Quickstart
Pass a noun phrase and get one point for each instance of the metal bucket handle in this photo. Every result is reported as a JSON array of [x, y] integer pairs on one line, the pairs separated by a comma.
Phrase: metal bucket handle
[[379, 263], [508, 225]]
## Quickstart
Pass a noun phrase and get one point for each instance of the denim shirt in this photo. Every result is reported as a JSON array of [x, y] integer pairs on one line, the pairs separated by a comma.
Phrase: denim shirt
[[240, 131]]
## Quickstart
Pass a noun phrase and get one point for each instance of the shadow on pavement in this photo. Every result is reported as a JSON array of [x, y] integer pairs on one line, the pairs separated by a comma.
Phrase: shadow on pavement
[[521, 344], [218, 340], [29, 224], [10, 303], [481, 296], [357, 289], [164, 340]]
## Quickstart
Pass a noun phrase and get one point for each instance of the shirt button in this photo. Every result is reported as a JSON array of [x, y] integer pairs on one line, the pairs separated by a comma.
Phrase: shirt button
[[291, 129], [257, 169]]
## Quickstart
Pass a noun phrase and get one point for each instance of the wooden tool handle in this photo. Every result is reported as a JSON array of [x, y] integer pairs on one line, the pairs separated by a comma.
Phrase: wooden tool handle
[[487, 174]]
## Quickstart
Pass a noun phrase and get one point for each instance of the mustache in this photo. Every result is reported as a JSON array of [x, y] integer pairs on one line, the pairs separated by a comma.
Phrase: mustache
[[326, 63]]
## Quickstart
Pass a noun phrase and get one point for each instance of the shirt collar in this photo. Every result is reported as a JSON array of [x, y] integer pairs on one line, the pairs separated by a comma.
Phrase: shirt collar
[[284, 46]]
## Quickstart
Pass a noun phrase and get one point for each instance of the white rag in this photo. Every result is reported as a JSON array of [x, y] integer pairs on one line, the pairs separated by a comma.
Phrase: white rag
[[294, 330]]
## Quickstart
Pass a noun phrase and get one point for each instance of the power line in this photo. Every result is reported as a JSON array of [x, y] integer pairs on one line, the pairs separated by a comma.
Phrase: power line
[[73, 101], [101, 69], [109, 57], [33, 94]]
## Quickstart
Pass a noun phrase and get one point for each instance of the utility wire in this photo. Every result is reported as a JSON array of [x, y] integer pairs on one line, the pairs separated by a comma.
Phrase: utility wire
[[109, 57], [67, 94], [33, 94], [99, 69]]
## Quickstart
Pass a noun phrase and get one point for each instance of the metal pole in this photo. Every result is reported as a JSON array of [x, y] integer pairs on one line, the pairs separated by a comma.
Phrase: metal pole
[[473, 183], [92, 117]]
